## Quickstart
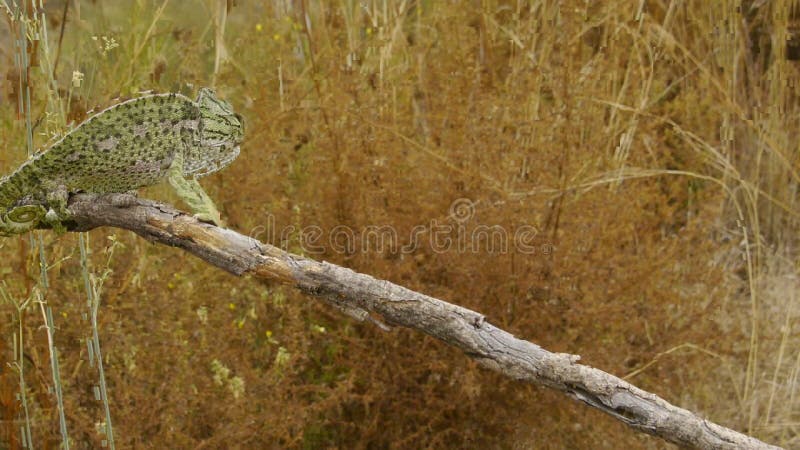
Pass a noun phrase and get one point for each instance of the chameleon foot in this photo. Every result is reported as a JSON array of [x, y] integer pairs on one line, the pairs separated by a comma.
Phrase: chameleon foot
[[53, 219], [211, 218]]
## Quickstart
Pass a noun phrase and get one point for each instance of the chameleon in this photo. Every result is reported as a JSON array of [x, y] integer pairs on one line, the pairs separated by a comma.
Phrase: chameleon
[[132, 144]]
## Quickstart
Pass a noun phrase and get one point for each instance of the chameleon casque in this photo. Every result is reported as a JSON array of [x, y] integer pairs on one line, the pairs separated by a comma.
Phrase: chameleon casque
[[132, 144]]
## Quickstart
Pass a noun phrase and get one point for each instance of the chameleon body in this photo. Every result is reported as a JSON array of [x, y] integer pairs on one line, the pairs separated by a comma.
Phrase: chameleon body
[[132, 144]]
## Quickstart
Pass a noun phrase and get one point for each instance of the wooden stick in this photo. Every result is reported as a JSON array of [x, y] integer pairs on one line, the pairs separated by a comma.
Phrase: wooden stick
[[365, 297]]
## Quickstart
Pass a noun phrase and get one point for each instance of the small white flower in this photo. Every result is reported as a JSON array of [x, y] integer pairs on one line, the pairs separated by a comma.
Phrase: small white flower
[[77, 78]]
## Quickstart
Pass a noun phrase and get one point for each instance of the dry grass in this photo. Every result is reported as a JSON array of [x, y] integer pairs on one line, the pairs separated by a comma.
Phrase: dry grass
[[651, 144]]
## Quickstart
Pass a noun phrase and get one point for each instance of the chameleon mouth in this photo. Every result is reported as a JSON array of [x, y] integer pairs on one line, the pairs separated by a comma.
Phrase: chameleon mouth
[[229, 156], [225, 157]]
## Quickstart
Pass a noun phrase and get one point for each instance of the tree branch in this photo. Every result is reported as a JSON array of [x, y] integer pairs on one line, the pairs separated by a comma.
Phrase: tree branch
[[362, 296]]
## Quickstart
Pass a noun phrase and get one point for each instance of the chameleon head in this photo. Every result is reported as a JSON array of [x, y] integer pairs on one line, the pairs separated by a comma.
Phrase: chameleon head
[[221, 131]]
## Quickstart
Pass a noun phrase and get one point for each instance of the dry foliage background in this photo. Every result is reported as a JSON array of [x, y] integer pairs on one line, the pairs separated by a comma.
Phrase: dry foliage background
[[651, 144]]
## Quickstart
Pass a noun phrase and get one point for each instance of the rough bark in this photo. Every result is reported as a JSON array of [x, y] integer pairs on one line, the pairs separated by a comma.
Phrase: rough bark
[[365, 297]]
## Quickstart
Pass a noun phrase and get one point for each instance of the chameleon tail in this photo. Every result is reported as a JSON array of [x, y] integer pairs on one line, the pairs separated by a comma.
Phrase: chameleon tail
[[16, 220], [9, 191], [14, 187], [21, 219]]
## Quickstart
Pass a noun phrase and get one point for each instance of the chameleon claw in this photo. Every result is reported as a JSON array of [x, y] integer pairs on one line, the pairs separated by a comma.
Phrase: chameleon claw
[[54, 220], [209, 218]]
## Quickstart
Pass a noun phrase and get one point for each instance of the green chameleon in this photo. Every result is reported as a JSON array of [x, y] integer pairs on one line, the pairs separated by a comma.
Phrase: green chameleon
[[132, 144]]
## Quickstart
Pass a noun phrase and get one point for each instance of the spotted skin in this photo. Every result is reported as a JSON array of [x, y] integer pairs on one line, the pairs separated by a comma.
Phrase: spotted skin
[[133, 144]]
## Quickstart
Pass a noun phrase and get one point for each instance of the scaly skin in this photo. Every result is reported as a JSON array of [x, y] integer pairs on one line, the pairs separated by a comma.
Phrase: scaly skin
[[133, 144]]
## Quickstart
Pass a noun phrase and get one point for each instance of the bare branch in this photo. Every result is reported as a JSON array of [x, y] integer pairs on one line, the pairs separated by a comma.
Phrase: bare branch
[[361, 295]]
